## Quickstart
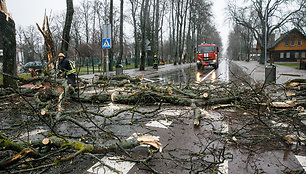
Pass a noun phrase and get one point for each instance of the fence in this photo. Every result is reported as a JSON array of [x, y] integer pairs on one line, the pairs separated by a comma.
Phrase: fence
[[93, 64]]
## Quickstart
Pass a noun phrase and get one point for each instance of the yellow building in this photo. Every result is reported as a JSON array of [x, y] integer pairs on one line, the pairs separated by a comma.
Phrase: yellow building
[[290, 47]]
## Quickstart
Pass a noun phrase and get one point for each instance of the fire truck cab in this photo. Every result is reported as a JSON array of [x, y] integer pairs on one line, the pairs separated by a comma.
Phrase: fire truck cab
[[207, 55]]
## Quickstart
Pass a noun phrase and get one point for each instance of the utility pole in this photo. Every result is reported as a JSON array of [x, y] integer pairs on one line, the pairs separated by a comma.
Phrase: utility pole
[[270, 71], [106, 43]]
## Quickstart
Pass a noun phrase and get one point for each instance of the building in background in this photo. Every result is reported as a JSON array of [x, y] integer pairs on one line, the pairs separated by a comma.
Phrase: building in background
[[289, 47], [19, 56]]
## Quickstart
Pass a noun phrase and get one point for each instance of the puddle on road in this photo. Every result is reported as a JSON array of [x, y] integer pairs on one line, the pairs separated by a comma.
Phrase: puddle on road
[[180, 76], [191, 74]]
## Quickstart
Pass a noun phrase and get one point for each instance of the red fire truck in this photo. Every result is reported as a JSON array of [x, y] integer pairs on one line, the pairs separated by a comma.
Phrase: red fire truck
[[207, 55]]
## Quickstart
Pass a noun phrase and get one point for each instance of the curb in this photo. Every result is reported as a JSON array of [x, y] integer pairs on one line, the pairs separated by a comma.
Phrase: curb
[[239, 73]]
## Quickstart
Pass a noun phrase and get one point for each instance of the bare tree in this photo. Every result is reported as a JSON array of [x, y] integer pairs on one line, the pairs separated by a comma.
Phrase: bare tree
[[85, 16], [56, 24], [143, 24], [76, 33], [67, 27], [30, 39], [121, 34], [299, 20], [264, 16], [134, 6], [111, 21], [234, 40]]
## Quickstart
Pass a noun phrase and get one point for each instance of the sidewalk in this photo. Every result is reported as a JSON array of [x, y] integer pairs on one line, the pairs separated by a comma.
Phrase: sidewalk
[[149, 71], [256, 72]]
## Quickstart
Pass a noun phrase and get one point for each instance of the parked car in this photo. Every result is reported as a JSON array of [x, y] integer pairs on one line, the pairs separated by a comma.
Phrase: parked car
[[36, 66]]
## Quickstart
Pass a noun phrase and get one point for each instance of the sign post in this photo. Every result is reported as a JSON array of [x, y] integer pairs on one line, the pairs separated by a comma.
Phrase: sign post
[[107, 44]]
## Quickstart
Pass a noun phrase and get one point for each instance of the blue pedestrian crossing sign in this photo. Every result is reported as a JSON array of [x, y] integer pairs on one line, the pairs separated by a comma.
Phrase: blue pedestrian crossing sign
[[106, 43]]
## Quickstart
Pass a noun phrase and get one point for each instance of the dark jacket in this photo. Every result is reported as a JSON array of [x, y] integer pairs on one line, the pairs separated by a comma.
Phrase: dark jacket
[[65, 66]]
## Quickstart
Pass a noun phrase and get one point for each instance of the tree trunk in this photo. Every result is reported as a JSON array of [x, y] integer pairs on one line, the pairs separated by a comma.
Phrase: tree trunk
[[136, 35], [67, 27], [161, 52], [179, 31], [72, 144], [110, 53], [143, 19], [183, 37], [49, 44], [95, 5], [8, 45], [174, 42], [156, 28], [121, 33]]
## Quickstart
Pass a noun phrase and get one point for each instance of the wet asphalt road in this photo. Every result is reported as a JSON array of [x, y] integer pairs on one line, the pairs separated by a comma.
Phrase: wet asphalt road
[[193, 74], [188, 149]]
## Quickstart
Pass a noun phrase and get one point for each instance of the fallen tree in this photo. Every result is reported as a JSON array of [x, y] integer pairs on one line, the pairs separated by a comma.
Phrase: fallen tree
[[27, 150], [52, 105]]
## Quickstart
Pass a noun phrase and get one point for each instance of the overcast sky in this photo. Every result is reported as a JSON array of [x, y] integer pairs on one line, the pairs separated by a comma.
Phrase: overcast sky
[[29, 12]]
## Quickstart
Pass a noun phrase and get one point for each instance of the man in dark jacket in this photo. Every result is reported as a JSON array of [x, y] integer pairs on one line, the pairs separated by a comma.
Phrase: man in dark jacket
[[67, 70], [155, 64]]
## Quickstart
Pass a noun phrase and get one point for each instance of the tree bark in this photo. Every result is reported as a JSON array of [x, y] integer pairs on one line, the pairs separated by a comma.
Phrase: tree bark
[[111, 21], [49, 44], [78, 146], [136, 33], [143, 18], [67, 27], [121, 33], [8, 45]]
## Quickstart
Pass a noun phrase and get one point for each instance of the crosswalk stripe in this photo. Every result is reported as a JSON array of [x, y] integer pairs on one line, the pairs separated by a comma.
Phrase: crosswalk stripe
[[114, 162], [224, 166], [32, 133], [302, 161], [159, 124]]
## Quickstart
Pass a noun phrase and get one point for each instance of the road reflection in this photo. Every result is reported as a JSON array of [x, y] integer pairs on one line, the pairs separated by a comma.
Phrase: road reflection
[[192, 74], [206, 74], [198, 76], [220, 74], [223, 71], [213, 76]]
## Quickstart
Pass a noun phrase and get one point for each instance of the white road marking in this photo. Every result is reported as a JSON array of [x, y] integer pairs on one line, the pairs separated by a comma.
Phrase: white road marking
[[160, 124], [149, 80], [113, 106], [110, 109], [170, 112], [224, 128], [275, 124], [302, 160], [207, 75], [114, 162], [34, 132], [224, 166]]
